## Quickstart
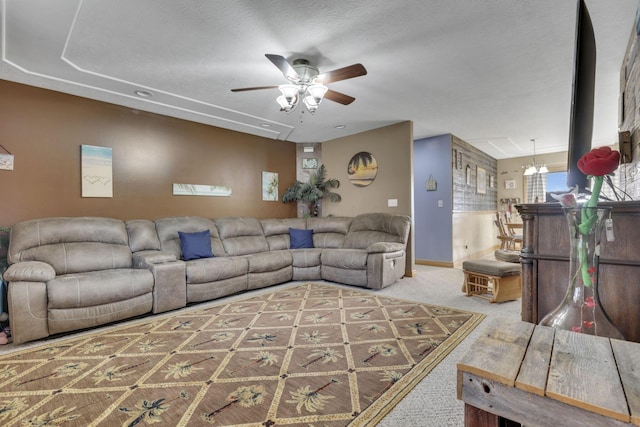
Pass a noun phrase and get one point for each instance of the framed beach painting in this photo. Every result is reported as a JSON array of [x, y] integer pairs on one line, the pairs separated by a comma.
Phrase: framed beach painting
[[362, 169], [97, 172]]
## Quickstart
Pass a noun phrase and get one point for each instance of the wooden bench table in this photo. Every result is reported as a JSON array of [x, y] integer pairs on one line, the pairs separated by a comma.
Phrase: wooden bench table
[[518, 372]]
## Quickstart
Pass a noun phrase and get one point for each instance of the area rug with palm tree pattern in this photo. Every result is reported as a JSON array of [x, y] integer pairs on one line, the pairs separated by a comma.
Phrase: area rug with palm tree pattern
[[309, 354]]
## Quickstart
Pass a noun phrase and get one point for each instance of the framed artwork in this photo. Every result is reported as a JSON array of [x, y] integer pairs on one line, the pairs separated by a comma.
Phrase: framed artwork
[[201, 190], [270, 186], [310, 163], [6, 162], [481, 180], [492, 181], [468, 174], [362, 169], [510, 184], [97, 172], [459, 160]]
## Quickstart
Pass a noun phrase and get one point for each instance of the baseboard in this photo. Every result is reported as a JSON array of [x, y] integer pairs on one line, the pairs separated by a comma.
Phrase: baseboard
[[445, 264]]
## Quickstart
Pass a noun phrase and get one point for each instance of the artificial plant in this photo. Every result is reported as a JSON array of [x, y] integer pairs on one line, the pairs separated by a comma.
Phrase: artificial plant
[[312, 191]]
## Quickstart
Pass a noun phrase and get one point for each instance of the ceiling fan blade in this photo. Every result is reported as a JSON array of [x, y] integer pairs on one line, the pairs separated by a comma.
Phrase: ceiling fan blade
[[338, 97], [283, 66], [243, 89], [355, 70]]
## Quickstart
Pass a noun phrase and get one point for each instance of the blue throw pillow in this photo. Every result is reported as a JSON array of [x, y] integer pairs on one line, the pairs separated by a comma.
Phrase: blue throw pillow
[[195, 245], [301, 238]]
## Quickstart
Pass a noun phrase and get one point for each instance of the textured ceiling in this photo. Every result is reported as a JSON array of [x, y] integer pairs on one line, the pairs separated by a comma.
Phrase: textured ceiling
[[495, 73]]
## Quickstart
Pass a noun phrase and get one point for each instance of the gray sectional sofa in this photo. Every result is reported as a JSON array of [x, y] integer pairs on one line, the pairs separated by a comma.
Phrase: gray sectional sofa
[[67, 274]]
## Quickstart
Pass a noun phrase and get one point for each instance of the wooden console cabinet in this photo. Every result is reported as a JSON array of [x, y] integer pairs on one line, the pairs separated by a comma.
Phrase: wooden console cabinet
[[545, 264]]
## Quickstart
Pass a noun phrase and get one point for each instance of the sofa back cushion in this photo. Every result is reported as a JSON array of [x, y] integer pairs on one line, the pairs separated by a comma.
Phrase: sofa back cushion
[[377, 227], [329, 232], [168, 228], [72, 244], [277, 231], [241, 236], [142, 235]]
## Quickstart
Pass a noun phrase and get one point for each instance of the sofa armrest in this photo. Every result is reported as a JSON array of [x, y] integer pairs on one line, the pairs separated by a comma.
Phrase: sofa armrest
[[144, 259], [384, 247], [29, 271], [384, 268], [170, 278]]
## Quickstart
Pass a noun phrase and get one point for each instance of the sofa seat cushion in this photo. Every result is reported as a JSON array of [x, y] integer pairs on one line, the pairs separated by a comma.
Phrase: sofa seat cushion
[[306, 257], [98, 288], [269, 261], [351, 259], [206, 270]]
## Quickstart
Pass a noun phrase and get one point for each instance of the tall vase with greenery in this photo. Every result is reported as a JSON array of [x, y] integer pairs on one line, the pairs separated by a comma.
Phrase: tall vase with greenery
[[312, 191]]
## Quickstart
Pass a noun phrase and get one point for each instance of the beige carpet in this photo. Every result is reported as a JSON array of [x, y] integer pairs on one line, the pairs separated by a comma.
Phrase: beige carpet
[[295, 355]]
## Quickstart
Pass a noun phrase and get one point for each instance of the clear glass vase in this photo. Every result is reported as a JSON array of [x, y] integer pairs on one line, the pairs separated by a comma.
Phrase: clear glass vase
[[581, 310]]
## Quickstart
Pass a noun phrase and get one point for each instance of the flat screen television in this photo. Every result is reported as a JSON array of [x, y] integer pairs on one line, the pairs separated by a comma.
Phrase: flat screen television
[[583, 91]]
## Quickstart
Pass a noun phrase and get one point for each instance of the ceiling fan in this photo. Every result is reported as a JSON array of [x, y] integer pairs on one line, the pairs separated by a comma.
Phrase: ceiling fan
[[306, 83]]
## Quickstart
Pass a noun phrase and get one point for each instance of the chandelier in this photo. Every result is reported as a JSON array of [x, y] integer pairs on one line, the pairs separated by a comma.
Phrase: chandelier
[[310, 92], [534, 167]]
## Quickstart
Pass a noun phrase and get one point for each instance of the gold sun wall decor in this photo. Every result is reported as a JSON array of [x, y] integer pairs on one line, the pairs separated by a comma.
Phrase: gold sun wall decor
[[362, 169]]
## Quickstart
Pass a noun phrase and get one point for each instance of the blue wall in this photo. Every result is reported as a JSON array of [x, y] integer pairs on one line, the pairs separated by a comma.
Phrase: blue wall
[[433, 227]]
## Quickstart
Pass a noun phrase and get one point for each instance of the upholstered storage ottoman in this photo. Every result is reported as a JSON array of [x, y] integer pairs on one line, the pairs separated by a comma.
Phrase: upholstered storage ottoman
[[496, 281]]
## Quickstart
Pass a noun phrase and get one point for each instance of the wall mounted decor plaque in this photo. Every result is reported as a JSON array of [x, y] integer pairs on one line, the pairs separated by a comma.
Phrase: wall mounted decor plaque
[[432, 184]]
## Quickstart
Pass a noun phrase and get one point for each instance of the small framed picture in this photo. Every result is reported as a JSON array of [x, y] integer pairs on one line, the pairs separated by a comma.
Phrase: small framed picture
[[510, 184], [481, 180], [310, 163], [492, 181]]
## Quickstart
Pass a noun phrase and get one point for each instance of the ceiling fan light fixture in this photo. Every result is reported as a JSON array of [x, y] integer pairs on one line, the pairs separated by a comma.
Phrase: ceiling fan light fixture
[[284, 104], [310, 103], [316, 91], [290, 92], [531, 170], [306, 84], [543, 169]]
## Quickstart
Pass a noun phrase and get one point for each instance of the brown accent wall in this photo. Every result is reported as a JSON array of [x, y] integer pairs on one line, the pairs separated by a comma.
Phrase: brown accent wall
[[45, 129]]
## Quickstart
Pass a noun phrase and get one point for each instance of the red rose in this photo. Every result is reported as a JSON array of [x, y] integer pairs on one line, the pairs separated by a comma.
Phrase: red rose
[[599, 161]]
